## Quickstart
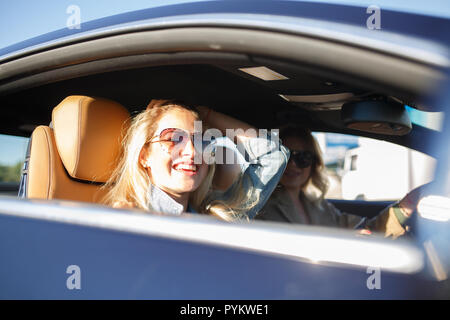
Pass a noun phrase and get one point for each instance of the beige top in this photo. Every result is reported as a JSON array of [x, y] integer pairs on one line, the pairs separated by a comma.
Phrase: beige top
[[280, 208]]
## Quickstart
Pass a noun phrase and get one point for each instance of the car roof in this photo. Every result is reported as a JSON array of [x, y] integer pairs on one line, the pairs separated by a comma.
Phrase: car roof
[[406, 20]]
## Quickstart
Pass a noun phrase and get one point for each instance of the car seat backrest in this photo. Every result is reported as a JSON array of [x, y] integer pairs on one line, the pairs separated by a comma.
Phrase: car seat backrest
[[76, 157]]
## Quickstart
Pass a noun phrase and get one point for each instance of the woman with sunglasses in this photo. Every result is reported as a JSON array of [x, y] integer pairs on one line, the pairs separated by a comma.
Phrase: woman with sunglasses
[[164, 167], [293, 200]]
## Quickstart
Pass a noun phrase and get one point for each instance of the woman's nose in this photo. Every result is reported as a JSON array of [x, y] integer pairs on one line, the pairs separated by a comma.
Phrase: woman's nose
[[291, 163], [188, 149]]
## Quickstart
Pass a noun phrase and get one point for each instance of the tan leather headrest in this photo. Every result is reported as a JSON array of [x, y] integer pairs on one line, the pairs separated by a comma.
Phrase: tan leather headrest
[[88, 133]]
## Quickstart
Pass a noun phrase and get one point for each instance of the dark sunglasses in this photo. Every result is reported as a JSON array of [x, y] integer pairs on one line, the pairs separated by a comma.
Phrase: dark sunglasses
[[172, 137], [302, 159]]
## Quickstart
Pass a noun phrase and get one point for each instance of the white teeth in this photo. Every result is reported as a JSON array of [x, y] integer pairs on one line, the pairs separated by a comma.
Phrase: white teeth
[[189, 167]]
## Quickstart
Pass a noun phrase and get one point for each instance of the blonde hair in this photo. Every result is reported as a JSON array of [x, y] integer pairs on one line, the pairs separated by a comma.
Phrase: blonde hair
[[318, 178], [130, 181]]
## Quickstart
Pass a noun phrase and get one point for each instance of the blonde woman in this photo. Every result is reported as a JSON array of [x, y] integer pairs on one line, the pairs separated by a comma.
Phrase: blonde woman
[[299, 198], [162, 169]]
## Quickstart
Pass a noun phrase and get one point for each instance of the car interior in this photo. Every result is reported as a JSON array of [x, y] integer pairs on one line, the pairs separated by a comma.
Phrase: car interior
[[59, 97]]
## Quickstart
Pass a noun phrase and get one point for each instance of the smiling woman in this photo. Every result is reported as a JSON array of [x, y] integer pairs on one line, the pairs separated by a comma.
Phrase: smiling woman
[[294, 202], [159, 172]]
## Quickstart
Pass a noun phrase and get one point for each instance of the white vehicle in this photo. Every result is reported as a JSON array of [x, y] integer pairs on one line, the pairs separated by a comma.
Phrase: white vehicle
[[379, 170]]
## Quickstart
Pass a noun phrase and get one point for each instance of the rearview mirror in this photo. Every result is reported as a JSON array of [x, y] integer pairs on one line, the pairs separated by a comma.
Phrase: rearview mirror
[[377, 116]]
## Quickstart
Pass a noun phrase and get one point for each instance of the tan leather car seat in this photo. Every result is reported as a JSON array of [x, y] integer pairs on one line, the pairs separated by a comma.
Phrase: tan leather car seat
[[73, 159]]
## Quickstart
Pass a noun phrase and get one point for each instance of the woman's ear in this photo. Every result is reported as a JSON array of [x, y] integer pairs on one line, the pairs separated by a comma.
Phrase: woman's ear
[[143, 157]]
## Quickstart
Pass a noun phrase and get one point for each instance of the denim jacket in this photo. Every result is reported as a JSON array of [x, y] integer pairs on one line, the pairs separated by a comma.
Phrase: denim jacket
[[262, 162]]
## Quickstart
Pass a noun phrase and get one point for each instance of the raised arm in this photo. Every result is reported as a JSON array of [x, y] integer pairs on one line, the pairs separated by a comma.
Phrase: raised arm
[[265, 159]]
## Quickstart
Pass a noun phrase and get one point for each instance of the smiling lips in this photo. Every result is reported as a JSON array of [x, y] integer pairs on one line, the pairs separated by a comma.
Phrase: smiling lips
[[188, 168]]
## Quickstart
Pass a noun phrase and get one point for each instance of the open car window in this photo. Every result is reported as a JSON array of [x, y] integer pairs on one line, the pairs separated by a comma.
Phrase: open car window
[[12, 156]]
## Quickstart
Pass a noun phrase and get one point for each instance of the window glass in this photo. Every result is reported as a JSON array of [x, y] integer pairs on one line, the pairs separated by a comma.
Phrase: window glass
[[12, 156], [430, 120], [369, 169]]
